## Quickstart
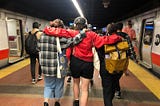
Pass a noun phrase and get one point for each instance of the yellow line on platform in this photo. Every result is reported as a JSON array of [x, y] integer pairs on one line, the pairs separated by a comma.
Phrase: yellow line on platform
[[13, 68], [149, 80]]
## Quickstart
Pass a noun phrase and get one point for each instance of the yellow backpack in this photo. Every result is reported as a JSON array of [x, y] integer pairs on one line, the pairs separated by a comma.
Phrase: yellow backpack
[[116, 58]]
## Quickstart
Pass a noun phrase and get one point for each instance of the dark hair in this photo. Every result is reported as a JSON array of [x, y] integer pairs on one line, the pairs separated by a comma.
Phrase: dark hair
[[111, 28], [119, 26], [80, 23], [36, 25], [129, 22]]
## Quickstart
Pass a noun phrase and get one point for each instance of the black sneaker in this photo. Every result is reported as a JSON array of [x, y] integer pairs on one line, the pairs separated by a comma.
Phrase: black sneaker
[[46, 104], [57, 104], [76, 103]]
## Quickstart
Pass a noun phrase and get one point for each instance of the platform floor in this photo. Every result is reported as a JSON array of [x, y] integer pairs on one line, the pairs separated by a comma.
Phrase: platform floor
[[16, 88]]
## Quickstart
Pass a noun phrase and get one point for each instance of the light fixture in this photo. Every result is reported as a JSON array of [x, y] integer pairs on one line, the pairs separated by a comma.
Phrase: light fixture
[[78, 7]]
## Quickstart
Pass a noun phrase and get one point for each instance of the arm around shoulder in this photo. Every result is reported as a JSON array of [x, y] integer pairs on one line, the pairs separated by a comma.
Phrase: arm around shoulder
[[58, 32], [99, 41]]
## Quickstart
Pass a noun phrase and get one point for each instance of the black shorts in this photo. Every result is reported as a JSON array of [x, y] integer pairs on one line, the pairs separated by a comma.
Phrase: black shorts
[[80, 68]]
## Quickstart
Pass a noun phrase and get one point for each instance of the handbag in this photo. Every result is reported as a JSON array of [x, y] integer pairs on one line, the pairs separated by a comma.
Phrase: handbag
[[62, 67]]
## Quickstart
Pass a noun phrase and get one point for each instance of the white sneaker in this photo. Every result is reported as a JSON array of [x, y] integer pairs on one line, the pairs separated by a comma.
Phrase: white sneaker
[[33, 81], [117, 95], [39, 77]]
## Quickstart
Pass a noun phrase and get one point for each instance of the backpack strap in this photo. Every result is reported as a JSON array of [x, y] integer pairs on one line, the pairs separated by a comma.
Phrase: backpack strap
[[35, 32], [117, 51]]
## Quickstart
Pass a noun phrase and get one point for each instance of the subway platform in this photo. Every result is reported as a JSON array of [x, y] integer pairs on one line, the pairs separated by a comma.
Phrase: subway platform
[[139, 88]]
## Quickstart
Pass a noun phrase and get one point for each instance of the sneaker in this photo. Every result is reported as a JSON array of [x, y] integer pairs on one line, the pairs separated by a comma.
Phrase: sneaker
[[33, 81], [76, 103], [69, 80], [57, 104], [39, 77], [117, 94], [46, 104]]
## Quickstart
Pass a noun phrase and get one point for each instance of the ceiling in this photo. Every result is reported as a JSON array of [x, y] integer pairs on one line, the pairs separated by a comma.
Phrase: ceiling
[[93, 10]]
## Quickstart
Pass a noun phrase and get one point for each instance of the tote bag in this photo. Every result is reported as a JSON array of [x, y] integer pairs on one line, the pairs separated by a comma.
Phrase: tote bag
[[62, 68]]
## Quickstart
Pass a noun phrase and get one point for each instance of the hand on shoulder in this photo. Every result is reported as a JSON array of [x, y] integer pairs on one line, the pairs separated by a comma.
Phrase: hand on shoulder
[[85, 30]]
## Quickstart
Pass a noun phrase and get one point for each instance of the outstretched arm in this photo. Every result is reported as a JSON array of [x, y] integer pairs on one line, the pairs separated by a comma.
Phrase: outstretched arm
[[99, 41], [59, 32]]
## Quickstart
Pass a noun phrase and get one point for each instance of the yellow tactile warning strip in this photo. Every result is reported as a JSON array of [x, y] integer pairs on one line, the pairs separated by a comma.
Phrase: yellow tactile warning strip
[[149, 80], [13, 68]]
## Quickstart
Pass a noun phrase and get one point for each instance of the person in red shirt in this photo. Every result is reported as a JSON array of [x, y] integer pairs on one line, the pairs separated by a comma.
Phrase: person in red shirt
[[81, 60], [132, 34], [129, 30]]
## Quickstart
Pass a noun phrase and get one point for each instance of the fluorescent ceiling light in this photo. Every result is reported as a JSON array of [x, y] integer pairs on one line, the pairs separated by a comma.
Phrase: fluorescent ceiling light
[[78, 7]]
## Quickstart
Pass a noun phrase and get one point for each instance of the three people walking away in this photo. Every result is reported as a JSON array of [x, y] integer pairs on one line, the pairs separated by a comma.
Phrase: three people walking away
[[30, 45], [53, 85], [81, 61]]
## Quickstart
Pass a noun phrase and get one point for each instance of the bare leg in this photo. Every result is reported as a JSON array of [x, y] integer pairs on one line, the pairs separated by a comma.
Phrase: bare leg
[[76, 88], [57, 99], [46, 100], [84, 94]]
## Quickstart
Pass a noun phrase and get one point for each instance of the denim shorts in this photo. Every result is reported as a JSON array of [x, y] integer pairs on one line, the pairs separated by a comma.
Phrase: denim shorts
[[53, 87]]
